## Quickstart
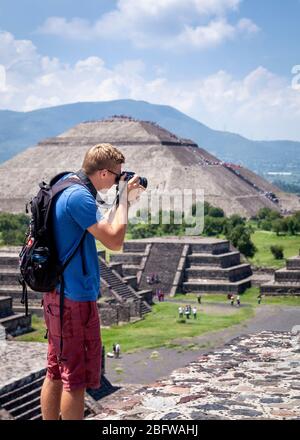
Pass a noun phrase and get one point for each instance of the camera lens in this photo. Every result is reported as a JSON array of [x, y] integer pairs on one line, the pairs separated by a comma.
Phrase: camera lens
[[130, 174], [143, 182]]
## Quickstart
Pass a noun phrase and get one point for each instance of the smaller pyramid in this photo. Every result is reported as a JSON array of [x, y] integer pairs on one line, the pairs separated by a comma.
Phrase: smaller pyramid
[[286, 281]]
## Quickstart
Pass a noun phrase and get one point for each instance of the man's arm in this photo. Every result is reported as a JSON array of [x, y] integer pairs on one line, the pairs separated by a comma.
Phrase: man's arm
[[111, 232]]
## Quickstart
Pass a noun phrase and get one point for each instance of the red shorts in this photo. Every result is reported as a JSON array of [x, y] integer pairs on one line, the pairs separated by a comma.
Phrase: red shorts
[[81, 364]]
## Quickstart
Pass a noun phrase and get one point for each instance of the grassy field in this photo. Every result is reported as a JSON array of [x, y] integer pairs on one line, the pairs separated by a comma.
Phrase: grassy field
[[162, 326], [159, 328], [264, 239]]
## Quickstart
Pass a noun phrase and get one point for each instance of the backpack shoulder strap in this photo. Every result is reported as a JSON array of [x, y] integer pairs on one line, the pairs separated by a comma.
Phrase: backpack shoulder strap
[[57, 177], [60, 186]]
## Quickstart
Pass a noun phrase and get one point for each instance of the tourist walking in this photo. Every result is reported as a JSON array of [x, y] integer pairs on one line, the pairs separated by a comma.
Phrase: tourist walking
[[195, 312], [117, 351], [187, 312], [180, 311], [232, 300], [238, 301], [199, 299], [159, 295]]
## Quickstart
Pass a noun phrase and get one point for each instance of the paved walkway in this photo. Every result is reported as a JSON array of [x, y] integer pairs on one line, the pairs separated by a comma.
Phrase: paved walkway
[[254, 377]]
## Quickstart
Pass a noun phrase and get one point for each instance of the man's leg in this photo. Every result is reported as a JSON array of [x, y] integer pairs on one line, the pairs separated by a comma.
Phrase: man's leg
[[50, 399], [72, 404]]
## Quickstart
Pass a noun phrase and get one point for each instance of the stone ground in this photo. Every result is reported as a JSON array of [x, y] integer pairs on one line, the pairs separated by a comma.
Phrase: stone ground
[[20, 359], [254, 377]]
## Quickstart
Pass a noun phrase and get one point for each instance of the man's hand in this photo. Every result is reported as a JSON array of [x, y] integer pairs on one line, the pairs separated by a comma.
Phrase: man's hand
[[133, 188], [133, 183]]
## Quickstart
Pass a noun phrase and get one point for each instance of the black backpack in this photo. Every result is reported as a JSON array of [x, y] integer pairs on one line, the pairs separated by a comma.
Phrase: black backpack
[[38, 259]]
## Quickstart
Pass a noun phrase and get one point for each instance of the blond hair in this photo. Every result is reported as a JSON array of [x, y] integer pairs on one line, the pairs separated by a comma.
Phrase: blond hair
[[101, 156]]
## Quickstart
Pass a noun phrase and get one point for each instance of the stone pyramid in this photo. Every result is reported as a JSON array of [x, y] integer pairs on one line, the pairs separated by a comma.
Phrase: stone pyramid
[[166, 160]]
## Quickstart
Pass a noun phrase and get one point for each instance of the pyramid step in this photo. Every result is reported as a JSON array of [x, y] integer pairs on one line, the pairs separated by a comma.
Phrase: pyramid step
[[217, 286], [25, 407], [15, 291], [9, 259], [16, 324], [19, 391], [125, 295], [127, 257], [131, 281], [22, 400], [222, 260], [9, 269], [9, 277], [285, 288], [35, 410], [5, 306], [215, 248], [133, 246], [117, 267], [37, 417], [32, 309], [293, 263], [288, 275], [234, 273]]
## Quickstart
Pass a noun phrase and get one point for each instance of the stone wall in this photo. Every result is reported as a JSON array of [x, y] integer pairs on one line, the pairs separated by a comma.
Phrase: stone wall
[[114, 313]]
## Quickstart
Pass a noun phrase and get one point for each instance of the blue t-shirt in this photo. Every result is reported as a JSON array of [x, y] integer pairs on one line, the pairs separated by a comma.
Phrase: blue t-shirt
[[74, 210]]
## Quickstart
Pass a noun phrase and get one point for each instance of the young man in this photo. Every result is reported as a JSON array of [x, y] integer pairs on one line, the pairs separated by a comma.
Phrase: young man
[[74, 211]]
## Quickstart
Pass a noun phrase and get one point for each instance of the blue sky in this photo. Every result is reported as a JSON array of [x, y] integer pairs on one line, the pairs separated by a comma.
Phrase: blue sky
[[227, 63]]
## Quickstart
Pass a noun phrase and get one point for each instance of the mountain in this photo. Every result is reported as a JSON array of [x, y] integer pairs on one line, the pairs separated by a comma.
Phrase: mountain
[[19, 130]]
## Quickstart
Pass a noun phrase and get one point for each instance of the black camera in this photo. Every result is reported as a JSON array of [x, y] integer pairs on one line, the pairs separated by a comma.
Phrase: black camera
[[130, 174]]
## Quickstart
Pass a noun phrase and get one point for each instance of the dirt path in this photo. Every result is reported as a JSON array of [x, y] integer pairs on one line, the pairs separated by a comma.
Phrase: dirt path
[[149, 365]]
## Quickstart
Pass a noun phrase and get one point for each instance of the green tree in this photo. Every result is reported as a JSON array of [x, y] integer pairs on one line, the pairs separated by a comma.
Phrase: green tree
[[213, 225], [265, 225], [246, 246], [263, 213], [215, 212], [240, 237], [278, 226], [13, 228]]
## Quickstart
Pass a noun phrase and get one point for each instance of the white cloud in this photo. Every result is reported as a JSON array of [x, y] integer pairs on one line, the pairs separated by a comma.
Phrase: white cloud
[[260, 105], [204, 36], [164, 24], [247, 25], [77, 28]]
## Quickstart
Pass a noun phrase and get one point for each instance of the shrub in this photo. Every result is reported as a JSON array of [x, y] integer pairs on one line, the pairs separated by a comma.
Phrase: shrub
[[277, 252], [13, 228]]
